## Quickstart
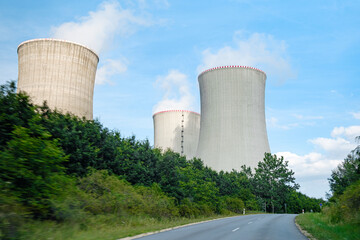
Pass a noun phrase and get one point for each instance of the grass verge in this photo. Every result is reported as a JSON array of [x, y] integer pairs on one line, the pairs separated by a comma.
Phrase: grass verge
[[104, 227], [321, 229]]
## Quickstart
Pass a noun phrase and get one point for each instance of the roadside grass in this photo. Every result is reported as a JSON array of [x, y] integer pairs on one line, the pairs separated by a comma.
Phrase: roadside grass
[[105, 227], [319, 226]]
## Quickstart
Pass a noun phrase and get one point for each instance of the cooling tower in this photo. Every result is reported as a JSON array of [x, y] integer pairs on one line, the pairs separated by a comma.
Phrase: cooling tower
[[233, 129], [177, 130], [60, 72]]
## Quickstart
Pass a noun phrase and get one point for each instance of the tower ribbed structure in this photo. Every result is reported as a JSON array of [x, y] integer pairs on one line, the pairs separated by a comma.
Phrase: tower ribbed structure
[[233, 128], [59, 72], [177, 130]]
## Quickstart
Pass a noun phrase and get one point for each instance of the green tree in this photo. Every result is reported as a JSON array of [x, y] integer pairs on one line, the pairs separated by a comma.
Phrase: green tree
[[31, 169], [169, 175], [273, 181], [234, 183], [15, 110], [80, 139], [350, 203], [197, 187], [346, 173]]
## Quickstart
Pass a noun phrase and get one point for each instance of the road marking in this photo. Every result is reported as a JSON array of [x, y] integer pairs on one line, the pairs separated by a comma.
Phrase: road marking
[[250, 223], [234, 230]]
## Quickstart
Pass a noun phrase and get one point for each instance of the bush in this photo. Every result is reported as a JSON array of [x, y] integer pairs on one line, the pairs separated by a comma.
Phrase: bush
[[108, 194], [12, 214], [101, 193], [333, 213], [157, 204], [350, 203], [346, 207], [31, 166], [252, 204], [189, 209], [233, 204]]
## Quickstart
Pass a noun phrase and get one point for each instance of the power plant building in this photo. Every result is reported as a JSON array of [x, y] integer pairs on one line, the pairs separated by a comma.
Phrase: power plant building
[[233, 128], [177, 130], [59, 72]]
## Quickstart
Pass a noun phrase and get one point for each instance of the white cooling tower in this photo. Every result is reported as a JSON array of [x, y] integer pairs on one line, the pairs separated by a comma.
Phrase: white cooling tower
[[177, 130], [233, 129], [60, 72]]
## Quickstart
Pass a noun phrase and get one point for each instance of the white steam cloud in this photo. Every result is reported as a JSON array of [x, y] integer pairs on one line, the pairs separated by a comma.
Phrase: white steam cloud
[[176, 90], [257, 50], [97, 31], [109, 68]]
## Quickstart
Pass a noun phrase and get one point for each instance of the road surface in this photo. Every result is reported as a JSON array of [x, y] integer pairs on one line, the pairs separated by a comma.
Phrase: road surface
[[248, 227]]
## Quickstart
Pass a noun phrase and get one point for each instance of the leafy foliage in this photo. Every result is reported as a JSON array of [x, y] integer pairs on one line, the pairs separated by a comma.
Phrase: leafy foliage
[[346, 173], [273, 181], [31, 168], [15, 110], [59, 167]]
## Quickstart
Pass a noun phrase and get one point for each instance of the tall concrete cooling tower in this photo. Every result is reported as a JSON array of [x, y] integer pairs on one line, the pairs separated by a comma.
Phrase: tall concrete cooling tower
[[60, 72], [233, 129], [177, 130]]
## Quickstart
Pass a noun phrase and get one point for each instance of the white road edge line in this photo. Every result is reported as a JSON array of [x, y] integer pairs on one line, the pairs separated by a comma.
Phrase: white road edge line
[[234, 230]]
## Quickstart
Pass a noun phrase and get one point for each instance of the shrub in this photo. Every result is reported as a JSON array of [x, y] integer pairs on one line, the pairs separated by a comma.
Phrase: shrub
[[333, 212], [108, 194], [188, 209], [31, 165], [350, 203], [346, 207], [12, 214], [252, 204], [157, 204], [233, 204]]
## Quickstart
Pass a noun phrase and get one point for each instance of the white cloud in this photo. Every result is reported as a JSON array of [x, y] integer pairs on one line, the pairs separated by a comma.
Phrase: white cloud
[[302, 117], [337, 148], [356, 115], [162, 3], [311, 171], [157, 3], [330, 152], [177, 93], [312, 164], [98, 29], [257, 50], [350, 132], [274, 123], [109, 68]]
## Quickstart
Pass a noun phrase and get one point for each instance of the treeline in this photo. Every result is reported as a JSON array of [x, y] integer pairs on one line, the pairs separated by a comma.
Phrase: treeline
[[58, 167]]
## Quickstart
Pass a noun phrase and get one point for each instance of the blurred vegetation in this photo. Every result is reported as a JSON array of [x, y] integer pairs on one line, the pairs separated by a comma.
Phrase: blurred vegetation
[[344, 204], [318, 225], [340, 216], [57, 170]]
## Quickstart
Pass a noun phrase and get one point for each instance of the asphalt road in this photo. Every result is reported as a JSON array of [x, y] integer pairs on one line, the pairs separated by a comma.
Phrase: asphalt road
[[252, 227]]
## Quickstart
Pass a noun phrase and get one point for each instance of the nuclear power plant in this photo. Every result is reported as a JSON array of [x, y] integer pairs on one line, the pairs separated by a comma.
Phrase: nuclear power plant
[[230, 133], [177, 130], [232, 128], [232, 125], [59, 72]]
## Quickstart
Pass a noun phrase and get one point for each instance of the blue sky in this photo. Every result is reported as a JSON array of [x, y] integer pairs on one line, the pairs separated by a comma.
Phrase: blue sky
[[151, 52]]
